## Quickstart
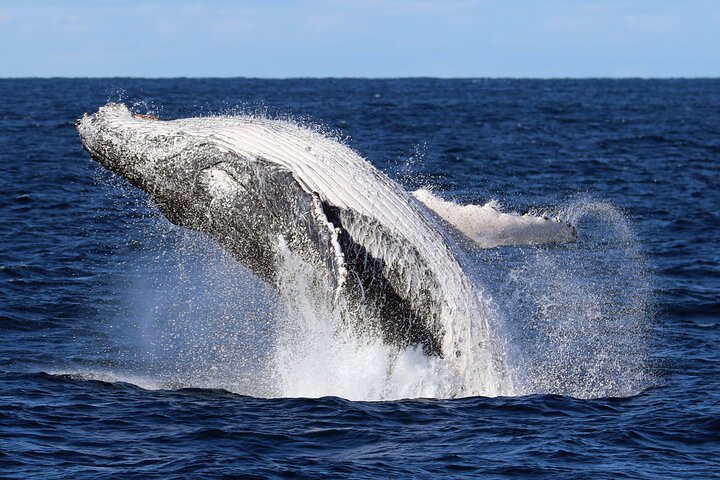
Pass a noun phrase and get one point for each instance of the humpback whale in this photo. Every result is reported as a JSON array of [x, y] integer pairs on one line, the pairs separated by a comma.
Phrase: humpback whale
[[257, 186]]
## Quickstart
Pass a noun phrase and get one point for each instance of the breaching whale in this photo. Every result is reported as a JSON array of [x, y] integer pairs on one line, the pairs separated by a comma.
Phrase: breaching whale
[[257, 186]]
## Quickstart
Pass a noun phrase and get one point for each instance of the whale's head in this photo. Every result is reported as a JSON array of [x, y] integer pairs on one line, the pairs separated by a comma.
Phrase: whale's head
[[162, 158], [136, 147]]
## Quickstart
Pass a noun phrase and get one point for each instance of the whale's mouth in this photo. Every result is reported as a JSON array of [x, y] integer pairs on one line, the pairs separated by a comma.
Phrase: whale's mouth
[[93, 153]]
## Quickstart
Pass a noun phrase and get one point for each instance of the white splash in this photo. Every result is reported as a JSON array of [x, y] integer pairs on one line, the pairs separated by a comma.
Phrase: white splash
[[198, 319], [576, 318], [581, 313], [317, 353]]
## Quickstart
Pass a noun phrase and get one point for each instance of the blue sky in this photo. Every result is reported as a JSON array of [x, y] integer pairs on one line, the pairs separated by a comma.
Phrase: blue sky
[[360, 38]]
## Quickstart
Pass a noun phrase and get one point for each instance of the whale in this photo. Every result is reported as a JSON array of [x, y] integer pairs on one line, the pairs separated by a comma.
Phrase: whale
[[261, 187]]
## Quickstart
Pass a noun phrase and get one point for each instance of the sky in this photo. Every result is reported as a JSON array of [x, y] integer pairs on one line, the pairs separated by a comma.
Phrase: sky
[[360, 38]]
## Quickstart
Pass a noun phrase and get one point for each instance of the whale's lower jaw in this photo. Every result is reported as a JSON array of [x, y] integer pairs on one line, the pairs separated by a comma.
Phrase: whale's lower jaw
[[251, 185]]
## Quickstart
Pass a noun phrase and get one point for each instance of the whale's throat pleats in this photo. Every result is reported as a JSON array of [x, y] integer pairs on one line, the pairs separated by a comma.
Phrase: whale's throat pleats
[[250, 206]]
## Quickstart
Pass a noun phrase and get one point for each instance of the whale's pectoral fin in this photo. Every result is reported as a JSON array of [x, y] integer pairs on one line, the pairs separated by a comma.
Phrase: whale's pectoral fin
[[393, 302], [486, 226], [252, 204]]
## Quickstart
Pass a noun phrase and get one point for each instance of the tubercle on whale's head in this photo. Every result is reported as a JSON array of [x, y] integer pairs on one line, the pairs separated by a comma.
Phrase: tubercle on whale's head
[[145, 116]]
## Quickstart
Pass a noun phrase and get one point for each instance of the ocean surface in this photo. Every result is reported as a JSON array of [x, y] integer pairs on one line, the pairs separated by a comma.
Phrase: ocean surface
[[130, 348]]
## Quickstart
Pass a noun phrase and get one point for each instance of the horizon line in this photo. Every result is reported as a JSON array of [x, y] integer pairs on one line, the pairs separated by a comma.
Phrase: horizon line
[[409, 77]]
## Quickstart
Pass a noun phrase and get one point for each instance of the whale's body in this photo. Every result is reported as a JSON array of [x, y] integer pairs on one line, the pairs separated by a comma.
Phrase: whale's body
[[259, 187]]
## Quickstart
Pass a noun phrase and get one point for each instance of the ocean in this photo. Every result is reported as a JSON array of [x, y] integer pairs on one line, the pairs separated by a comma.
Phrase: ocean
[[132, 348]]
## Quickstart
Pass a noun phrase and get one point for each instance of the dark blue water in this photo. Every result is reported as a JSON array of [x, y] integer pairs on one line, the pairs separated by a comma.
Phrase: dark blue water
[[84, 387]]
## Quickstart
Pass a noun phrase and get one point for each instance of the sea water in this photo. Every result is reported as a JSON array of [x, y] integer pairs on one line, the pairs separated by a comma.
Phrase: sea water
[[133, 348]]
